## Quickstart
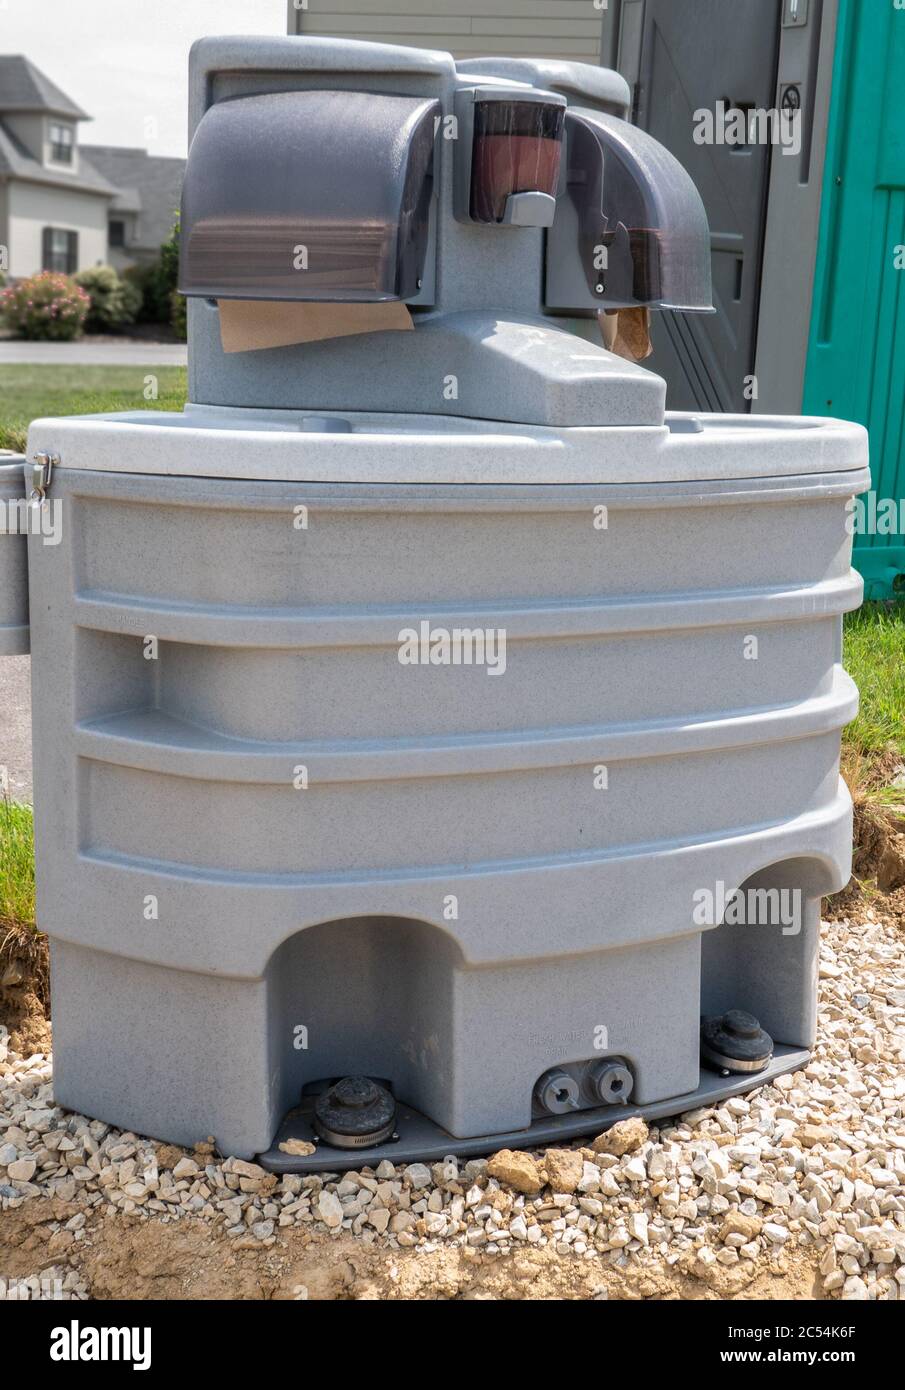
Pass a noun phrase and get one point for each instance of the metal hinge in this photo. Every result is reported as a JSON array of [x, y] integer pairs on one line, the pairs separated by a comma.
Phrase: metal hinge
[[41, 473]]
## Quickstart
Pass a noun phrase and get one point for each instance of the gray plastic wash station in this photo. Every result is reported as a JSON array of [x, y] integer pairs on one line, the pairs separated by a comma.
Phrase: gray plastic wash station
[[409, 710]]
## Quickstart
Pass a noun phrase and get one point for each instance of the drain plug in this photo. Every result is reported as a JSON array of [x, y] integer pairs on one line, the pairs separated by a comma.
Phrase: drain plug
[[355, 1113], [735, 1041], [557, 1092], [609, 1082]]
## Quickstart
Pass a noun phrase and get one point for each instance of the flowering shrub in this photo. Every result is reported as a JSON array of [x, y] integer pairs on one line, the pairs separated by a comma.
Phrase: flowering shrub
[[47, 305], [114, 302]]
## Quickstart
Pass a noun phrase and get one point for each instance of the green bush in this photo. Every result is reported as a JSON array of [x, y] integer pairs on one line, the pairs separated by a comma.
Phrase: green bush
[[160, 301], [179, 315], [169, 274], [169, 259], [45, 306], [146, 281], [114, 302], [131, 300]]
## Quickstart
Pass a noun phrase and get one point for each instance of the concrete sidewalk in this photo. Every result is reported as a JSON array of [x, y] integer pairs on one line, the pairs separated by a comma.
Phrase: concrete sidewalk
[[126, 352], [15, 725]]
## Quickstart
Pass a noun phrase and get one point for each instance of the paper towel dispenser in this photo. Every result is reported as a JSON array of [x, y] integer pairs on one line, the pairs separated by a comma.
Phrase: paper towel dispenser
[[309, 195], [630, 227], [508, 147]]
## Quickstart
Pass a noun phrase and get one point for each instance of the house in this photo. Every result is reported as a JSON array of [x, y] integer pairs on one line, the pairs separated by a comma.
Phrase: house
[[65, 206], [570, 29], [148, 190], [53, 202]]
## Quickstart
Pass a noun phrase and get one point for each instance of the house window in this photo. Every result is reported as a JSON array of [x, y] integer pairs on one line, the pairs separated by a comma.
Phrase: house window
[[60, 250], [61, 143], [117, 233]]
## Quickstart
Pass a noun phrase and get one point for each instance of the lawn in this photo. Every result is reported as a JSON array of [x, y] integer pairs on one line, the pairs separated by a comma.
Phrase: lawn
[[29, 391], [17, 868], [875, 659]]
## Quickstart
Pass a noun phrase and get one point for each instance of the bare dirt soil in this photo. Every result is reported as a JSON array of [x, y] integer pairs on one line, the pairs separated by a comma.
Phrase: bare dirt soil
[[878, 867], [122, 1257], [25, 990]]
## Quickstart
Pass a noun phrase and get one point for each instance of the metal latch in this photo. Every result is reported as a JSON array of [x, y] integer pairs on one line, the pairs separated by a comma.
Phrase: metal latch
[[795, 14], [41, 473]]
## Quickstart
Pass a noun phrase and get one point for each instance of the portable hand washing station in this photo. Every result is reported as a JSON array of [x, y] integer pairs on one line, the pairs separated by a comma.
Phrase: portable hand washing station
[[409, 711]]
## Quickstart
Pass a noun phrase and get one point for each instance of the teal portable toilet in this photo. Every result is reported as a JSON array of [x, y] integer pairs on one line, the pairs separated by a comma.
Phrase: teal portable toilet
[[856, 356], [806, 244]]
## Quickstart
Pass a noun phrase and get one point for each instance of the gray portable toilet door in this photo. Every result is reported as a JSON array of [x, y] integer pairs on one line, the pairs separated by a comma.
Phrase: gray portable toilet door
[[684, 56]]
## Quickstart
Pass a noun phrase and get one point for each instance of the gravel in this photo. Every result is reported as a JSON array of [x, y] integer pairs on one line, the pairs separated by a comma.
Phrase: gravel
[[813, 1164]]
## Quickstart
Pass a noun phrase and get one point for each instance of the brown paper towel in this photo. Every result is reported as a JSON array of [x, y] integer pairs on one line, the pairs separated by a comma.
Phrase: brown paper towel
[[626, 332], [249, 324]]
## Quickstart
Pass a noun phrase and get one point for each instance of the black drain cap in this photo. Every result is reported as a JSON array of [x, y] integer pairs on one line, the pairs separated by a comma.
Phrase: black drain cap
[[735, 1041], [355, 1113]]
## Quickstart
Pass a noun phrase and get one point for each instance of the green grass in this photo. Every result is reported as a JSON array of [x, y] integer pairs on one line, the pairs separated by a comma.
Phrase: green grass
[[17, 868], [29, 391], [875, 659]]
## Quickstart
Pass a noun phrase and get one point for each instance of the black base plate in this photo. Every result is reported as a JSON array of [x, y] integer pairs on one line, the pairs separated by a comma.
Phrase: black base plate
[[420, 1139]]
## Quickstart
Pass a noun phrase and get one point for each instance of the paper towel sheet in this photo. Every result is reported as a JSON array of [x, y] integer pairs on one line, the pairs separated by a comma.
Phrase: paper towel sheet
[[247, 325], [626, 332]]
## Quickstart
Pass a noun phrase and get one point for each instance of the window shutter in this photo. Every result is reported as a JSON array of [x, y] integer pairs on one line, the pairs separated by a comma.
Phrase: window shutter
[[72, 252], [47, 248]]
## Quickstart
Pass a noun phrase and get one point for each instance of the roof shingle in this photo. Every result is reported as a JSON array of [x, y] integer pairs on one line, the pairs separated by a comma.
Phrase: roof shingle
[[149, 183], [16, 162], [24, 88]]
